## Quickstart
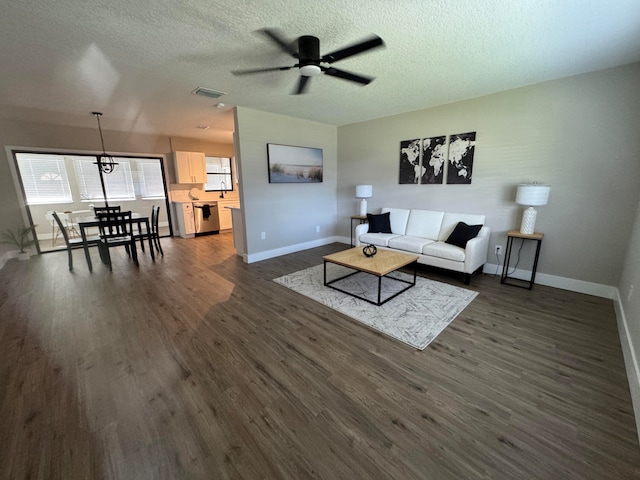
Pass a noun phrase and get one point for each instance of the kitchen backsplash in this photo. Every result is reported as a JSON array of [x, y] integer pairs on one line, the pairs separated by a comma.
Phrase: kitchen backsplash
[[181, 193]]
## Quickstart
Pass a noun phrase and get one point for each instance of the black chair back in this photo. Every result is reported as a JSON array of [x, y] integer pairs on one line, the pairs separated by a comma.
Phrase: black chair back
[[98, 210], [155, 236], [116, 230], [155, 213], [72, 243], [61, 227], [115, 225]]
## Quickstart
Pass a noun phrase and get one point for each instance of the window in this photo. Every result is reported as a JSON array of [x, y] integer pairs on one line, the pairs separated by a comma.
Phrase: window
[[150, 177], [118, 184], [44, 178], [219, 177]]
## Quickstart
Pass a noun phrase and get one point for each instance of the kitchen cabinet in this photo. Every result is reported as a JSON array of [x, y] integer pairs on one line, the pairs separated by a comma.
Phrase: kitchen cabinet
[[225, 214], [190, 167], [185, 222]]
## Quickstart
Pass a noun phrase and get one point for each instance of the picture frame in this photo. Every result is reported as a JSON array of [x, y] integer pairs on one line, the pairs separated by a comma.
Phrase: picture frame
[[292, 164], [410, 168], [434, 160], [461, 151]]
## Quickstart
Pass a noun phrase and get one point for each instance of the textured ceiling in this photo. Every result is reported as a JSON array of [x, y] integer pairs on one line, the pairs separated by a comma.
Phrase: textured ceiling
[[138, 61]]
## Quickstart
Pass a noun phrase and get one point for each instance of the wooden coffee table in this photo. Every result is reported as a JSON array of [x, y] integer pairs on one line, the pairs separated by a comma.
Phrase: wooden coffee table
[[380, 265]]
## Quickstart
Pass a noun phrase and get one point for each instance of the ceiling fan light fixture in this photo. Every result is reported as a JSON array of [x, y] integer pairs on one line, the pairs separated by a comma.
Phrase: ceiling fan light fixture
[[310, 70]]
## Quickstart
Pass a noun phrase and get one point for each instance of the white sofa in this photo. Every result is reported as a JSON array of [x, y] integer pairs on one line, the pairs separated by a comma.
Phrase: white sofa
[[424, 233]]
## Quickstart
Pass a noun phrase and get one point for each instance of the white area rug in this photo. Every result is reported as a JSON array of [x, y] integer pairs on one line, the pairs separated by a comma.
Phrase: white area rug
[[415, 317]]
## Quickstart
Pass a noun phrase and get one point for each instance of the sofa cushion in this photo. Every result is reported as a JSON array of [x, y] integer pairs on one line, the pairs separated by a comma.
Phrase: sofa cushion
[[450, 221], [462, 233], [424, 223], [409, 243], [379, 223], [380, 239], [398, 218], [444, 250]]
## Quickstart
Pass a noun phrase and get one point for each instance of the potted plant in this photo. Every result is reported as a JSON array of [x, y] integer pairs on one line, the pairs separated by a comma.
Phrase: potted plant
[[21, 238]]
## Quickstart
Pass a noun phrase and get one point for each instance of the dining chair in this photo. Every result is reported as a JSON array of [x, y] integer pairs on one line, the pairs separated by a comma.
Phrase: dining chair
[[56, 227], [72, 243], [155, 236], [143, 234], [115, 231], [72, 228]]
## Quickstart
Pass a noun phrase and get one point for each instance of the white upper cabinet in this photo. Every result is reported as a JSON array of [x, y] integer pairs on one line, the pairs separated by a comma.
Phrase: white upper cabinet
[[190, 167]]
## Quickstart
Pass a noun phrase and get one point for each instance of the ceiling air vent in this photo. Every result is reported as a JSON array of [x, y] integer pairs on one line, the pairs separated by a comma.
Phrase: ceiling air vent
[[207, 92]]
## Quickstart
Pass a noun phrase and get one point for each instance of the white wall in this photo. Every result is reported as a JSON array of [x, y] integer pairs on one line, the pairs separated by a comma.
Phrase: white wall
[[581, 135], [288, 213]]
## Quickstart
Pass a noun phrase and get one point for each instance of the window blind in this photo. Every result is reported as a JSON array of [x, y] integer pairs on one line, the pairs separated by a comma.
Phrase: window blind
[[44, 178]]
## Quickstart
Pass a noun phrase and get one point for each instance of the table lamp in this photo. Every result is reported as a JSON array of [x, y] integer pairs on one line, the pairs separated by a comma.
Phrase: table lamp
[[532, 195], [363, 192]]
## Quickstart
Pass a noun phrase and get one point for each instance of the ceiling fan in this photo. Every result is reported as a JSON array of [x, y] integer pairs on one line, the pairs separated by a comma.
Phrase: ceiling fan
[[307, 50]]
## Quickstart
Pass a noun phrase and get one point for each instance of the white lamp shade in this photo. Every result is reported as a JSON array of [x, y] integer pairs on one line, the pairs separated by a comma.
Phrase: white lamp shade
[[364, 191], [532, 194]]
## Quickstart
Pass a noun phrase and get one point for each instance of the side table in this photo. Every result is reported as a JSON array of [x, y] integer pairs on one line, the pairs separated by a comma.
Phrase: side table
[[361, 219], [537, 237]]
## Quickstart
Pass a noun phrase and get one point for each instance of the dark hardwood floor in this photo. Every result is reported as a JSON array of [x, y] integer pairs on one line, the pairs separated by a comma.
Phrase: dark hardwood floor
[[199, 366]]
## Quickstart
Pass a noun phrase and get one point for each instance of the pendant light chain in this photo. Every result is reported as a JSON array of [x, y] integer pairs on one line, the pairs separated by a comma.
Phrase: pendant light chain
[[105, 162]]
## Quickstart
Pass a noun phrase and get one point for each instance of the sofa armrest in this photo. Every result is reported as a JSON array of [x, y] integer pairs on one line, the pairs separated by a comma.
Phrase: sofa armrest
[[476, 250], [360, 229]]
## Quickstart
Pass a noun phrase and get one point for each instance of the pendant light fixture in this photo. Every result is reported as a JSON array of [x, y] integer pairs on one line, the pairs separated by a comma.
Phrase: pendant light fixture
[[106, 163]]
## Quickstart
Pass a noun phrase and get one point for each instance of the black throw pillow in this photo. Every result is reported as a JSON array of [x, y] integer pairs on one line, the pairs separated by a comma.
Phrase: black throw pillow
[[379, 223], [462, 234]]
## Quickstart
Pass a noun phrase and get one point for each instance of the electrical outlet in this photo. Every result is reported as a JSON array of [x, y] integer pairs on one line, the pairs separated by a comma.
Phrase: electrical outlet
[[498, 249], [263, 235], [317, 228]]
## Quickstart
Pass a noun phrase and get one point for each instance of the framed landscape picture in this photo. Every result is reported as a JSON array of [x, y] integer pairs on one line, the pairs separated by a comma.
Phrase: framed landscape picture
[[289, 164]]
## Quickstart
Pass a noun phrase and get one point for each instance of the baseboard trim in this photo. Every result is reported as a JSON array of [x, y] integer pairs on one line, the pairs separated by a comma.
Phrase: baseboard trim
[[630, 359], [277, 252], [579, 286]]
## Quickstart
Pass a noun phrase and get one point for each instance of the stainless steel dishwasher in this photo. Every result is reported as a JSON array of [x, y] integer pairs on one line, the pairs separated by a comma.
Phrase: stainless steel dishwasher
[[206, 218]]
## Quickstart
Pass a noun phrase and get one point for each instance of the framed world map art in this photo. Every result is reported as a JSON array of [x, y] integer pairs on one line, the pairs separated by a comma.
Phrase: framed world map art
[[410, 169], [460, 165], [434, 157], [428, 161]]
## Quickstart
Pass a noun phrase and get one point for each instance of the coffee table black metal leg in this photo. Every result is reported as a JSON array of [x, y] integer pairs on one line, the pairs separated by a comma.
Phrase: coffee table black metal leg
[[415, 272], [325, 273]]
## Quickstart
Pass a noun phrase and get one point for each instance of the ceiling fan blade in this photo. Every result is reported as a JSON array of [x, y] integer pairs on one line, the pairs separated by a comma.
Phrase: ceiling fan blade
[[279, 40], [334, 72], [260, 70], [354, 49], [303, 82]]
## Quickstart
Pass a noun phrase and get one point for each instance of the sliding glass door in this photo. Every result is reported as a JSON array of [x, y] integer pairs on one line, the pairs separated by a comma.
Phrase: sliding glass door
[[70, 184]]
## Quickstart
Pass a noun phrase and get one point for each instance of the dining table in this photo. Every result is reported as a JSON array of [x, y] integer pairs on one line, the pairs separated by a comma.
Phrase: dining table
[[85, 223]]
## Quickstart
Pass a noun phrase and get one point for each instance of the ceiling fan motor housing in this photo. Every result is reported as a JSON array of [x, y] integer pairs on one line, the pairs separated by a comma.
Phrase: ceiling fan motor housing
[[306, 49], [309, 55]]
